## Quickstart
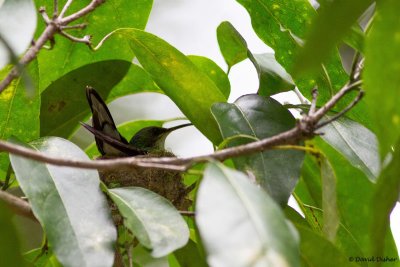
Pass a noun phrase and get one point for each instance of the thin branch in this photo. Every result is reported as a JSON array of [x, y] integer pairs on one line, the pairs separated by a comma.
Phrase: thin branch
[[17, 205], [55, 8], [53, 27], [77, 26], [187, 213], [85, 39], [65, 8], [341, 113], [313, 106]]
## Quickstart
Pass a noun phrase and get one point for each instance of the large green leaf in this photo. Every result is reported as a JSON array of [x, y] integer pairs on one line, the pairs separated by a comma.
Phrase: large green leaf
[[19, 110], [189, 256], [191, 90], [127, 130], [64, 102], [357, 143], [276, 170], [17, 26], [214, 72], [69, 205], [152, 219], [317, 251], [42, 258], [274, 23], [381, 76], [113, 14], [331, 25], [240, 224], [10, 254], [386, 195]]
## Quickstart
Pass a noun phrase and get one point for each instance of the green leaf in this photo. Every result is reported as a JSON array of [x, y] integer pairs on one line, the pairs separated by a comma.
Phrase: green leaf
[[214, 72], [17, 26], [333, 22], [356, 38], [40, 258], [381, 79], [19, 110], [354, 196], [189, 256], [127, 130], [191, 90], [68, 204], [276, 170], [64, 102], [273, 77], [387, 193], [152, 219], [10, 254], [274, 24], [142, 258], [329, 200], [240, 224], [232, 45], [113, 14], [317, 251], [357, 143]]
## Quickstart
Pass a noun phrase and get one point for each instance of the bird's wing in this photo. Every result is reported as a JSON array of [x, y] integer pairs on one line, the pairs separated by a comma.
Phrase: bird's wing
[[127, 149], [103, 123]]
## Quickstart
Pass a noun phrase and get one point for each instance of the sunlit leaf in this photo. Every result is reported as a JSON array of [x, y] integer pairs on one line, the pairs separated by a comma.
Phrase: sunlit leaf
[[10, 253], [152, 219], [17, 26], [191, 90], [381, 77], [67, 56], [333, 22], [64, 102], [19, 110], [240, 225], [276, 170], [68, 204], [214, 72]]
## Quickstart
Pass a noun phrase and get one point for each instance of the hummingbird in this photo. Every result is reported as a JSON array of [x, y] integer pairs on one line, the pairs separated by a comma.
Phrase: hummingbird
[[147, 142]]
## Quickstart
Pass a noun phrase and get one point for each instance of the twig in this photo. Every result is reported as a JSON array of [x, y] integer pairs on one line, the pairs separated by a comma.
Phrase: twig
[[313, 106], [187, 213], [53, 27], [66, 6], [17, 205]]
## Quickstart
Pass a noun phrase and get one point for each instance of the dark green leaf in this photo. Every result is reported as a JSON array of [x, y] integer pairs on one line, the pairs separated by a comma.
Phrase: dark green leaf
[[142, 258], [232, 45], [152, 219], [384, 200], [357, 143], [273, 77], [10, 254], [189, 256], [19, 110], [276, 170], [127, 130], [317, 251], [381, 76], [17, 26], [240, 224], [67, 56], [214, 72], [333, 22], [64, 102], [68, 204], [191, 90]]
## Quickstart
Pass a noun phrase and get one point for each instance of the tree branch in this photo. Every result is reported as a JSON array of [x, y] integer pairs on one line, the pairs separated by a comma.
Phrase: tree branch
[[53, 27], [17, 205]]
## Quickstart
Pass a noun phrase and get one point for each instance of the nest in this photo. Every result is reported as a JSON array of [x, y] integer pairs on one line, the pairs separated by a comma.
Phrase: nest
[[166, 183]]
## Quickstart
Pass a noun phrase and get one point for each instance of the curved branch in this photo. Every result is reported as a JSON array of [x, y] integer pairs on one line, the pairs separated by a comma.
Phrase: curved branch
[[17, 205]]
